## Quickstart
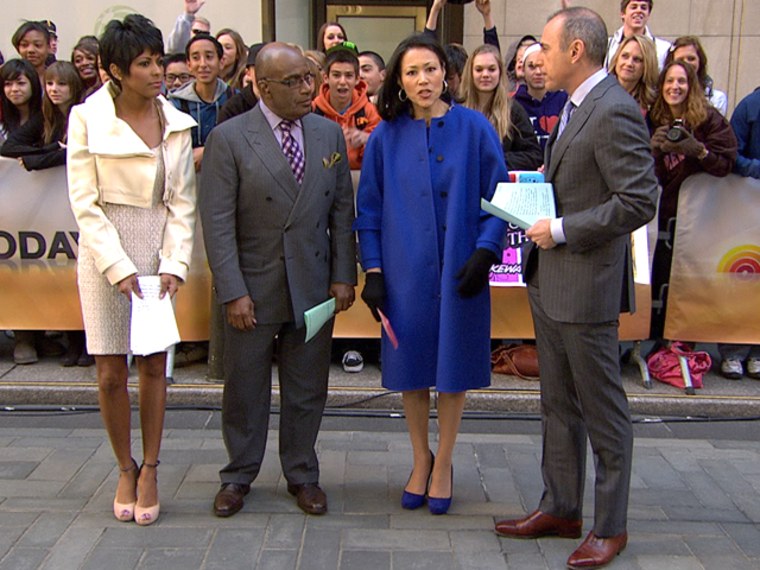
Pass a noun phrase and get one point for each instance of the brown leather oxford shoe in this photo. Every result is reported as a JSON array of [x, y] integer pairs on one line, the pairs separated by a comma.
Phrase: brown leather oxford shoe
[[595, 552], [310, 498], [230, 499], [538, 524]]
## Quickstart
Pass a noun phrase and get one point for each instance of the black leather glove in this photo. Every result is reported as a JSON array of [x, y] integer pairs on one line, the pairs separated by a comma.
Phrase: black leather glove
[[473, 276], [373, 293]]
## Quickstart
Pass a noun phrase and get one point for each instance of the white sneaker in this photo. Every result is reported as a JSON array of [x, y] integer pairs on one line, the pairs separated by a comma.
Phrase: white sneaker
[[753, 368], [731, 368], [353, 361]]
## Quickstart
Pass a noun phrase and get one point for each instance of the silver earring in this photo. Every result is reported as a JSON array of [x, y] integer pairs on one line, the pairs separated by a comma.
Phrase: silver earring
[[402, 96], [445, 86]]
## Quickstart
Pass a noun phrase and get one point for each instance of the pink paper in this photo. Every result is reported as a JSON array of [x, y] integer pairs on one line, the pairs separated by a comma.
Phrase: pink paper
[[388, 329]]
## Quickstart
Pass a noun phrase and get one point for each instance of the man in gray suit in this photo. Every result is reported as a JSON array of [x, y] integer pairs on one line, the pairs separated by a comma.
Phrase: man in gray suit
[[276, 203], [579, 275]]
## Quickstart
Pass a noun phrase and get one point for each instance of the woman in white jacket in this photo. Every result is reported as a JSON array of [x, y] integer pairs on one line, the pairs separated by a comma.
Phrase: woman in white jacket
[[132, 190]]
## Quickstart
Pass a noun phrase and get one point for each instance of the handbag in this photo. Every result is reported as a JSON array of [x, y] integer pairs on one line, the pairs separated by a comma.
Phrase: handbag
[[516, 360], [664, 365]]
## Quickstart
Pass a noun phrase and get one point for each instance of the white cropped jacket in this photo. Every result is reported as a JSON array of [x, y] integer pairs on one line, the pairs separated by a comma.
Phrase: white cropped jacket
[[108, 163]]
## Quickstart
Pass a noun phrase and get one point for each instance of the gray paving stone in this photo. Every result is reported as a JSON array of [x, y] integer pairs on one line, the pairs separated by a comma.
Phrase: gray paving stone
[[14, 488], [491, 455], [658, 473], [727, 477], [61, 441], [278, 560], [365, 560], [492, 560], [24, 559], [89, 478], [284, 532], [424, 561], [333, 521], [234, 548], [653, 562], [155, 536], [112, 559], [746, 536], [657, 545], [466, 541], [727, 564], [451, 522], [61, 465], [525, 561], [659, 497], [72, 549], [17, 469], [172, 559], [698, 513], [380, 539], [39, 504], [18, 453], [320, 549], [46, 530]]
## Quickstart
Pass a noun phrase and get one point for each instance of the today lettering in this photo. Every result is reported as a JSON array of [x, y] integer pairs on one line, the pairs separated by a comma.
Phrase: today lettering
[[33, 245]]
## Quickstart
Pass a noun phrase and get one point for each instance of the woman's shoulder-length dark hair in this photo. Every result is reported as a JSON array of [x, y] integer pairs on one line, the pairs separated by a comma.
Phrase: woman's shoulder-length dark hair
[[123, 41], [10, 71], [389, 103]]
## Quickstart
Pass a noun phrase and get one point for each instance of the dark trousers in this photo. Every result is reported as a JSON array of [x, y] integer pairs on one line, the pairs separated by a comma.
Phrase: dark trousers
[[303, 370], [582, 397]]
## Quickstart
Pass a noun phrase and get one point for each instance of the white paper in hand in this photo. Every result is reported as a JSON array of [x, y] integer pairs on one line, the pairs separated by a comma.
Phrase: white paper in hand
[[520, 203], [153, 326]]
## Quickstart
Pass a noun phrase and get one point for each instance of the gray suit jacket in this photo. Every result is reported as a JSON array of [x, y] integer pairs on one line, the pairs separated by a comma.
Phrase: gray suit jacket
[[267, 237], [605, 187]]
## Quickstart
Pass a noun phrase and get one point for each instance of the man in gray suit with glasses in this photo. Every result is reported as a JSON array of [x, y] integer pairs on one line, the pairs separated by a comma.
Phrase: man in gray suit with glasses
[[276, 203], [579, 275]]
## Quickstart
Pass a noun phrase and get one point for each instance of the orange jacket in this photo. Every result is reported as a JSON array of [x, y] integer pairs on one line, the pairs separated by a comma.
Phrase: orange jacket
[[361, 114]]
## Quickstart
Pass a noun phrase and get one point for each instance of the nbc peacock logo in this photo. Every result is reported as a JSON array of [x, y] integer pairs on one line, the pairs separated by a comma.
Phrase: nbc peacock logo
[[742, 259]]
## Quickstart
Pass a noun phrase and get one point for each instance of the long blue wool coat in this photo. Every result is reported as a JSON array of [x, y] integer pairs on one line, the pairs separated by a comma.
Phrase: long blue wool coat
[[419, 219]]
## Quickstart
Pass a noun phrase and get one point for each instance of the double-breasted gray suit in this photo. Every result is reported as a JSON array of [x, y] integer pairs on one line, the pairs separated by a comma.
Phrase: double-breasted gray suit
[[283, 244], [605, 188]]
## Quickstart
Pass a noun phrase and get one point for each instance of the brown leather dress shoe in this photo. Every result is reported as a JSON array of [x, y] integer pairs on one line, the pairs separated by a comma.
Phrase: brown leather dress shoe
[[310, 498], [595, 552], [538, 524], [230, 499]]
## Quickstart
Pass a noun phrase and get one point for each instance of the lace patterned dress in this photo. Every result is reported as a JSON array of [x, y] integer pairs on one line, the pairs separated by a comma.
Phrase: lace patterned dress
[[106, 312]]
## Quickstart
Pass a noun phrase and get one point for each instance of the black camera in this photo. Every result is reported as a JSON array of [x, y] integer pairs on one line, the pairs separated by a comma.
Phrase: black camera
[[676, 132]]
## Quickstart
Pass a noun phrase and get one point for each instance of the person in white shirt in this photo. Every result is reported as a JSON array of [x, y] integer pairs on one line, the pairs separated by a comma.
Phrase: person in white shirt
[[690, 50], [635, 15]]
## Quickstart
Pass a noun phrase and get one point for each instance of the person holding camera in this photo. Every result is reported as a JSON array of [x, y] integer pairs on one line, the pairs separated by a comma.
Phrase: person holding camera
[[690, 137]]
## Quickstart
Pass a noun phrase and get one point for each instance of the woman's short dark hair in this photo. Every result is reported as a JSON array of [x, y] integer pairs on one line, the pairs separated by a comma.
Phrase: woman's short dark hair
[[389, 103], [25, 28], [10, 71], [123, 42]]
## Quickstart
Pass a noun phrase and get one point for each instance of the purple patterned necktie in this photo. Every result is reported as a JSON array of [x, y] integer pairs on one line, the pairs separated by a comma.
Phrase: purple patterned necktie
[[292, 150]]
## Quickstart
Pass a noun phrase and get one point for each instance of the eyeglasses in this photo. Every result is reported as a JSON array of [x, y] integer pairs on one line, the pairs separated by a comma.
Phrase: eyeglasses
[[293, 82], [183, 77], [196, 31]]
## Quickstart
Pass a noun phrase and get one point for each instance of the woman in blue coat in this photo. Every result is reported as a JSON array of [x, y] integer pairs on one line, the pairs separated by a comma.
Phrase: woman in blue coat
[[427, 248]]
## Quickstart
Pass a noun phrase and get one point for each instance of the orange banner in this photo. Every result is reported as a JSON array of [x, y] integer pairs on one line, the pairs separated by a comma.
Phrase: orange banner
[[38, 248]]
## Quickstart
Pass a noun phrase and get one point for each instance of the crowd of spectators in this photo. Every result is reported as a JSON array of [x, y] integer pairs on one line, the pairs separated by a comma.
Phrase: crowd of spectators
[[212, 77]]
